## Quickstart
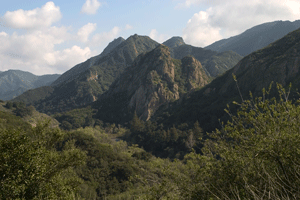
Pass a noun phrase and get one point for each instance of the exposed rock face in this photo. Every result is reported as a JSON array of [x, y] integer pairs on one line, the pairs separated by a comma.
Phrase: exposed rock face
[[154, 79], [255, 38], [213, 62]]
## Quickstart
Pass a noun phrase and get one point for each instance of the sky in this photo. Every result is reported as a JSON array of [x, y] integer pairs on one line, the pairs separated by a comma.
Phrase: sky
[[47, 37]]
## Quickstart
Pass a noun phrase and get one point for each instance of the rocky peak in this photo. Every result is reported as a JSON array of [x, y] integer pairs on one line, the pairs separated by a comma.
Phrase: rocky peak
[[194, 72], [154, 79], [174, 42]]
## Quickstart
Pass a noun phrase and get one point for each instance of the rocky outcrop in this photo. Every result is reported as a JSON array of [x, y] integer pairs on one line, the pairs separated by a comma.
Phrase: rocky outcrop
[[155, 78], [213, 62]]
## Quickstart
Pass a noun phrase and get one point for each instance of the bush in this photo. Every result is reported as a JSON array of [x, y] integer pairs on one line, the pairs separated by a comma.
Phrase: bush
[[257, 153]]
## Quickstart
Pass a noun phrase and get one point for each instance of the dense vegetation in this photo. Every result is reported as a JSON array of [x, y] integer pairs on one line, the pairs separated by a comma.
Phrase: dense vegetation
[[255, 155]]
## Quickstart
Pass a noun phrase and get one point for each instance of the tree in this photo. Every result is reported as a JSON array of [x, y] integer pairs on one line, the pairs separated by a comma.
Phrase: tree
[[257, 153], [31, 168]]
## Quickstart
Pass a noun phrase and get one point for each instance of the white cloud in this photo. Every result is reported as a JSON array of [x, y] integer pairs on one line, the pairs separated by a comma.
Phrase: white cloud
[[227, 18], [128, 27], [35, 51], [63, 60], [199, 32], [85, 31], [3, 34], [187, 3], [32, 19], [105, 37], [43, 48], [90, 7], [154, 35]]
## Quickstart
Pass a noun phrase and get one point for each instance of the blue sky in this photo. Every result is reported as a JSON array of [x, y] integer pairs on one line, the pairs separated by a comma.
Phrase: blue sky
[[45, 37]]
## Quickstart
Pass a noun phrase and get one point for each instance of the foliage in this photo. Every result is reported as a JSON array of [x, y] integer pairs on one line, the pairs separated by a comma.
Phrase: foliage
[[76, 118], [161, 142], [256, 154], [31, 167]]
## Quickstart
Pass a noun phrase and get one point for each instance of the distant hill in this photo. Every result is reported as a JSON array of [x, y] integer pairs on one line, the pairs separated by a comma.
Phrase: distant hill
[[278, 62], [154, 79], [15, 82], [214, 63], [255, 38]]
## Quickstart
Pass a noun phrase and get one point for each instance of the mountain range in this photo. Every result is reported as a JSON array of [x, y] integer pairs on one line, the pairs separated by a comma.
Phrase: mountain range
[[15, 82], [170, 83], [255, 38], [87, 81]]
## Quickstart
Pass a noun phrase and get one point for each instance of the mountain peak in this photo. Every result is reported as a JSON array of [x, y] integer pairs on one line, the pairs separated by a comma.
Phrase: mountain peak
[[113, 44], [174, 42]]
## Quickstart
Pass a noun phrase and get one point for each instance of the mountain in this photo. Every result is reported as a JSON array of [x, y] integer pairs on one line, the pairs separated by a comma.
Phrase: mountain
[[15, 82], [75, 71], [214, 63], [255, 38], [155, 78], [278, 62], [87, 81], [84, 83], [174, 42]]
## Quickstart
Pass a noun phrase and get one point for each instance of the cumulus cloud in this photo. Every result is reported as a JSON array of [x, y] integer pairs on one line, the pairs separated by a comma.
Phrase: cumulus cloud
[[105, 37], [158, 37], [85, 31], [90, 7], [227, 18], [128, 27], [44, 48], [31, 19], [35, 52], [188, 3]]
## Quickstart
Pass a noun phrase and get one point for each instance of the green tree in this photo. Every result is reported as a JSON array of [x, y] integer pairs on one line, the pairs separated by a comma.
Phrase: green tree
[[31, 167], [257, 153]]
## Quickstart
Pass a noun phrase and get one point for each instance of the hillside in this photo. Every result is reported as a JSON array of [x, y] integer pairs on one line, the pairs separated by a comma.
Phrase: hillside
[[255, 38], [154, 78], [278, 62], [16, 82]]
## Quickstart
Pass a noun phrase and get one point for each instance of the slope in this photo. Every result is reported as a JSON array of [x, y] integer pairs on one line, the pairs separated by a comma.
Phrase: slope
[[255, 38]]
